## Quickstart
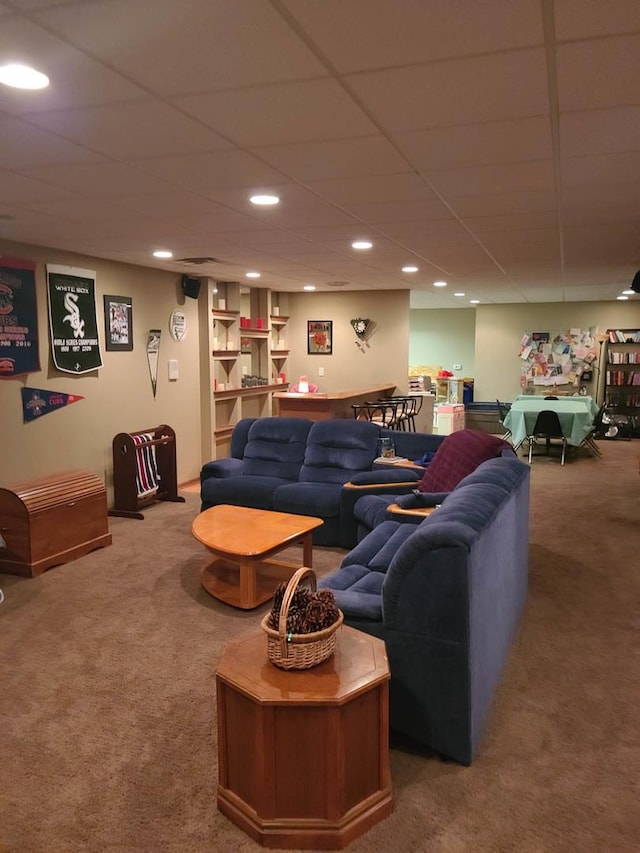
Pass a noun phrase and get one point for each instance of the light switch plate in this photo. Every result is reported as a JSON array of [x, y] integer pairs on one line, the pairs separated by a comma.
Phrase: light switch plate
[[173, 368]]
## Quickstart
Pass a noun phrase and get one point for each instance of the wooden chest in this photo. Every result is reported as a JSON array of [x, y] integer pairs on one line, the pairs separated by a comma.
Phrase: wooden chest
[[51, 520]]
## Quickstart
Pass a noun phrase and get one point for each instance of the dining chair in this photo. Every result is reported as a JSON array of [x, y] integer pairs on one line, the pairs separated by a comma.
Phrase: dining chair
[[547, 426]]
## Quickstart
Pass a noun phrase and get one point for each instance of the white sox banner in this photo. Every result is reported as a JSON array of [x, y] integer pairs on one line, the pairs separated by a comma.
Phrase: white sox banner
[[72, 318]]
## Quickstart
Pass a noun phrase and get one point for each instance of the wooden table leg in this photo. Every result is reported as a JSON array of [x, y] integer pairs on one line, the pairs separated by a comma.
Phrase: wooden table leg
[[248, 587], [307, 550]]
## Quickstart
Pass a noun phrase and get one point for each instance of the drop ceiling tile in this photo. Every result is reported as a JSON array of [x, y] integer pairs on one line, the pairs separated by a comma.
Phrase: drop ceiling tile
[[513, 222], [479, 144], [191, 46], [291, 196], [535, 176], [76, 79], [126, 131], [399, 211], [206, 173], [575, 19], [599, 73], [463, 91], [426, 29], [284, 113], [404, 186], [505, 204], [22, 190], [99, 181], [600, 131], [309, 217], [22, 145], [348, 158]]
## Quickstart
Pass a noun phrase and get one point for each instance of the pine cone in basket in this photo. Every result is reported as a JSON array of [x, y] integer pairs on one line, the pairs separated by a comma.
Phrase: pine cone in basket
[[308, 611]]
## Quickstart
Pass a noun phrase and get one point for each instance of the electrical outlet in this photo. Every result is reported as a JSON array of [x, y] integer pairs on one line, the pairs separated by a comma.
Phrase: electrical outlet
[[457, 367], [245, 370], [321, 371]]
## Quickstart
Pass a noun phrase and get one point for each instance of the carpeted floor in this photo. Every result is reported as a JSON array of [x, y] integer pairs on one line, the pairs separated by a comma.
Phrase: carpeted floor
[[107, 706]]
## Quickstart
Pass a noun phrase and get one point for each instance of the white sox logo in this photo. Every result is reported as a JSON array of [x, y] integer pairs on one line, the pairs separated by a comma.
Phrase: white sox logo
[[73, 317]]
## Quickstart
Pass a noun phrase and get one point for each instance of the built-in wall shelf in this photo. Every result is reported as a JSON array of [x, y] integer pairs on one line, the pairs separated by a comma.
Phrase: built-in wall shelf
[[240, 350], [228, 316]]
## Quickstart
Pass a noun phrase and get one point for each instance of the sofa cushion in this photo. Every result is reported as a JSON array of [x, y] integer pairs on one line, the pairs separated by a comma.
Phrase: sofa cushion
[[275, 447], [317, 499], [458, 455], [337, 451], [256, 492], [377, 549], [357, 591]]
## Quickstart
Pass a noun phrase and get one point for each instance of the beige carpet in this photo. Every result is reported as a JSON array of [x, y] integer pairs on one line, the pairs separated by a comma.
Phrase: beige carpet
[[107, 711]]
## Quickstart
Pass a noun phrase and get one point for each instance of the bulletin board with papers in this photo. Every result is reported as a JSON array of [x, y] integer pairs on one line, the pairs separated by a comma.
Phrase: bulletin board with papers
[[553, 359]]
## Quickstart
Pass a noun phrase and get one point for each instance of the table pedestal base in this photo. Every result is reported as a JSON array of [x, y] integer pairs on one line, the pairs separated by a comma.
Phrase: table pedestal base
[[303, 756]]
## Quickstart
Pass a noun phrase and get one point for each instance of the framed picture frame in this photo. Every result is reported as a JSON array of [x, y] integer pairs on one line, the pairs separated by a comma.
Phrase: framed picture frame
[[319, 337], [118, 323]]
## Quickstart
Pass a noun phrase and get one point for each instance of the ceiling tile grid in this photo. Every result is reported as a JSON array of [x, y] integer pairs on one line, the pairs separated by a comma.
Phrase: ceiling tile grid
[[496, 143]]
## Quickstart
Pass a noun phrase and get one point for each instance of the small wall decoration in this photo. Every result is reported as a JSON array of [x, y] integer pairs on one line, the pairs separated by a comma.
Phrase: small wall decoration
[[319, 337], [178, 325], [118, 322], [153, 352], [37, 402], [360, 327], [72, 317]]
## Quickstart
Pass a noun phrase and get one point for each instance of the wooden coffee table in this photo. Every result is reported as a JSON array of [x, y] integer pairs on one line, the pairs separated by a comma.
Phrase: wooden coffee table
[[243, 540]]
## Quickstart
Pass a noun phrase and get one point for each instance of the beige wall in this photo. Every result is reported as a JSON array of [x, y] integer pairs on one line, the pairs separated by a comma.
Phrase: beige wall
[[499, 329], [385, 356], [118, 396]]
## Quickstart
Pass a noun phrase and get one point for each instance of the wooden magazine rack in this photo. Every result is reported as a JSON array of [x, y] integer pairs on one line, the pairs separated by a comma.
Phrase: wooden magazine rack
[[127, 449]]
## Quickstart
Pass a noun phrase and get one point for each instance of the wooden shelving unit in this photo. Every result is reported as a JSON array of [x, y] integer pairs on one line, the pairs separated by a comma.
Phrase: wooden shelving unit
[[622, 374], [245, 346]]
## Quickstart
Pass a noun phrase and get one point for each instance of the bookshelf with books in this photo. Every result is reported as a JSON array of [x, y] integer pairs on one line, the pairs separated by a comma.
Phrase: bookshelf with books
[[622, 374]]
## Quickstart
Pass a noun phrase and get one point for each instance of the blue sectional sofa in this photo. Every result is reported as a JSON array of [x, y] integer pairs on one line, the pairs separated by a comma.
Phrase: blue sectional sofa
[[301, 466], [446, 596]]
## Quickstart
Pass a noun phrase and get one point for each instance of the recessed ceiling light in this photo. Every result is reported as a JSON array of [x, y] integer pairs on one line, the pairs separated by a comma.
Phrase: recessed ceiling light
[[459, 293], [309, 287], [622, 298], [474, 301], [439, 283], [628, 292], [409, 269], [361, 244], [162, 253], [252, 275], [23, 77], [264, 200]]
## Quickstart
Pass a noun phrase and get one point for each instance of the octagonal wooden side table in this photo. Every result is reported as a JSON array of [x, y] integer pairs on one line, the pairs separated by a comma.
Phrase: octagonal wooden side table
[[304, 754]]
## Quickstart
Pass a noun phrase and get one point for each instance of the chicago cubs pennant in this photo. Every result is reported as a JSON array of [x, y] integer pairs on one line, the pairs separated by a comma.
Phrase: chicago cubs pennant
[[36, 402], [72, 316]]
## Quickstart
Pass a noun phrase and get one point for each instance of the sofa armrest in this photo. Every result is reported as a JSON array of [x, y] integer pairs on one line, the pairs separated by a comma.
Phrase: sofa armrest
[[384, 476], [221, 468], [351, 492]]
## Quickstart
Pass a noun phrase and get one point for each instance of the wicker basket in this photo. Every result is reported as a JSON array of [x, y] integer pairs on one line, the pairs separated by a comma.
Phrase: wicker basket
[[299, 651]]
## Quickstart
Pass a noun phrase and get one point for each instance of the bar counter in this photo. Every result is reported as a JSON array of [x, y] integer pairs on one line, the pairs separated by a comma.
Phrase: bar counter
[[324, 407]]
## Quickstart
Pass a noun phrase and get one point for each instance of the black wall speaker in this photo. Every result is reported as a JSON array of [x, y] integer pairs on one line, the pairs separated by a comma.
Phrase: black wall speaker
[[190, 286], [635, 284]]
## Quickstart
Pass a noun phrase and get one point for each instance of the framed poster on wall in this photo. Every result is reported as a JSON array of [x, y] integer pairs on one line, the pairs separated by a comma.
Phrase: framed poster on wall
[[118, 322], [319, 337]]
